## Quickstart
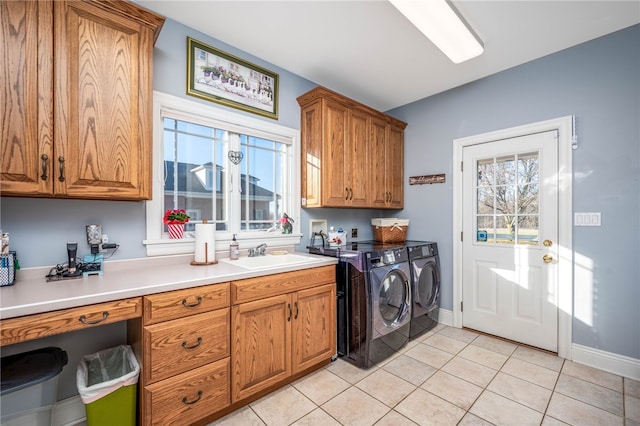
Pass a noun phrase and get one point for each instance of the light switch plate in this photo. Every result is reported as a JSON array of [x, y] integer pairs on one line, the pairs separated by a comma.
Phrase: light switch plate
[[587, 219]]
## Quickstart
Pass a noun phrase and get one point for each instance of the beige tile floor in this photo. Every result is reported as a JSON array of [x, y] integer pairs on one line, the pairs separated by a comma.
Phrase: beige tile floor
[[451, 376]]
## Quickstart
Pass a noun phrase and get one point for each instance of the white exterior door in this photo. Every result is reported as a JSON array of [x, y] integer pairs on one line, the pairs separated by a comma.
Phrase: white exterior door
[[510, 238]]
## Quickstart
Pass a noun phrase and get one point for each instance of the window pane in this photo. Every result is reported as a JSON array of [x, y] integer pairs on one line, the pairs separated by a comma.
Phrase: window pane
[[485, 231], [485, 201], [485, 172], [191, 180], [528, 231], [528, 199], [528, 168], [506, 199], [262, 182], [505, 172], [505, 229]]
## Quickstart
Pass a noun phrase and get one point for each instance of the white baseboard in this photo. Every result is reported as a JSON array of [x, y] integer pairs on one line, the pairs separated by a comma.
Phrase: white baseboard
[[445, 317], [68, 412], [613, 363]]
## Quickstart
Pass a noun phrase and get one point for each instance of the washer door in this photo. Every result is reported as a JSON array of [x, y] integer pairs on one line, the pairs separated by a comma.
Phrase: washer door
[[427, 287], [390, 297]]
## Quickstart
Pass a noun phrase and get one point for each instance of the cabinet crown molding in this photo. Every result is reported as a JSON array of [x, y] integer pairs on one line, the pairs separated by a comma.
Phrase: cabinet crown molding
[[323, 93]]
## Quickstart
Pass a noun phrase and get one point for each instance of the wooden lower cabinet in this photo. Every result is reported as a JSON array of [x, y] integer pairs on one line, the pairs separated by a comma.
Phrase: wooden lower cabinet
[[276, 337], [209, 350], [22, 329], [190, 396], [314, 326], [182, 344], [261, 344]]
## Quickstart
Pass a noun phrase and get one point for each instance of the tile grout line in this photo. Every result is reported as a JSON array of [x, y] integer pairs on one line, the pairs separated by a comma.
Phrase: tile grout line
[[422, 341]]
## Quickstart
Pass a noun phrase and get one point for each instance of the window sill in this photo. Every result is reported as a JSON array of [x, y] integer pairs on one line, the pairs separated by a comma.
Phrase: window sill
[[166, 246]]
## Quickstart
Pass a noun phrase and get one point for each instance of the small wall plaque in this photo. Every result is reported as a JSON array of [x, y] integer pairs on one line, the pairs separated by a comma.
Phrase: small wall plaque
[[422, 180]]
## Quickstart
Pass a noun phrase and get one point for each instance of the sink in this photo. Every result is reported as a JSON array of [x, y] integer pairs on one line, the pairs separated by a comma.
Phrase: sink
[[269, 261]]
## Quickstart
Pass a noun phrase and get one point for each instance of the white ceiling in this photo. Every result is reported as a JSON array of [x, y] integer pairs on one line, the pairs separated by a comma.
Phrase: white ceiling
[[368, 51]]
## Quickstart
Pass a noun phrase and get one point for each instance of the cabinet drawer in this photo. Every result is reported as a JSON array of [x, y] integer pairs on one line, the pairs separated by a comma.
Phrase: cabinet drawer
[[30, 327], [183, 399], [272, 285], [181, 303], [177, 346]]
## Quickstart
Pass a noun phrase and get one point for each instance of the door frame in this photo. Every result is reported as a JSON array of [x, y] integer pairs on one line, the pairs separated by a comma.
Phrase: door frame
[[565, 128]]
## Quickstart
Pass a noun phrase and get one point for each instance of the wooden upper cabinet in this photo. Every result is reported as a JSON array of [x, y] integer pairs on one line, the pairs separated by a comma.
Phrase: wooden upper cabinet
[[387, 158], [336, 154], [395, 167], [26, 96], [97, 142], [358, 165], [344, 153], [379, 141]]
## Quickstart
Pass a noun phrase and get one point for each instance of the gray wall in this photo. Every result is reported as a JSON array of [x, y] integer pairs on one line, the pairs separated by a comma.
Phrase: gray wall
[[599, 83]]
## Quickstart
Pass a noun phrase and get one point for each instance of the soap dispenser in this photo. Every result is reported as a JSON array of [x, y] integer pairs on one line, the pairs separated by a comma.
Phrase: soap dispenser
[[234, 249]]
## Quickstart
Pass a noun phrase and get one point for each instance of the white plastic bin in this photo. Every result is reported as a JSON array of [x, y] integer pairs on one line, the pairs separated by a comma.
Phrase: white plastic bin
[[30, 386]]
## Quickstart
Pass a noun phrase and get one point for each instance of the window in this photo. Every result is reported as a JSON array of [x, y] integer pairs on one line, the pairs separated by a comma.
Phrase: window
[[507, 194], [239, 172]]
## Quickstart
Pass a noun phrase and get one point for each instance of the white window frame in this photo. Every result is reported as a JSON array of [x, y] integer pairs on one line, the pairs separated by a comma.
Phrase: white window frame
[[157, 243]]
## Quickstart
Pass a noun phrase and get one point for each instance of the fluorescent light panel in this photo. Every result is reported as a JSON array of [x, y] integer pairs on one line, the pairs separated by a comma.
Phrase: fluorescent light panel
[[440, 23]]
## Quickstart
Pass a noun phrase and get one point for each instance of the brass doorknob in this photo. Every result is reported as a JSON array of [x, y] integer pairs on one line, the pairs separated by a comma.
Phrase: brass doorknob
[[547, 243], [547, 258]]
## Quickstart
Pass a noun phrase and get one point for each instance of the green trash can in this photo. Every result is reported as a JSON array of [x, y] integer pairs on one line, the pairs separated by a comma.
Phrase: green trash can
[[107, 383]]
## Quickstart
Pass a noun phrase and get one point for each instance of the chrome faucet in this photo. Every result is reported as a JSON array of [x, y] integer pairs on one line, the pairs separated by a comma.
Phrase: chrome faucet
[[258, 251]]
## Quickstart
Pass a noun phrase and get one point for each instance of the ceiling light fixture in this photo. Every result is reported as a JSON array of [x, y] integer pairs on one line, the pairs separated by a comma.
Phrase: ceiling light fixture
[[437, 20]]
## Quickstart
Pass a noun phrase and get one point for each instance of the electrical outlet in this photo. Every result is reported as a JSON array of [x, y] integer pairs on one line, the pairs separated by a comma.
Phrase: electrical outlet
[[105, 238], [354, 232]]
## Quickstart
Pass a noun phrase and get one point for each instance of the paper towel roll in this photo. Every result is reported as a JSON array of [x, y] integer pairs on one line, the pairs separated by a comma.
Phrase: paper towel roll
[[205, 243]]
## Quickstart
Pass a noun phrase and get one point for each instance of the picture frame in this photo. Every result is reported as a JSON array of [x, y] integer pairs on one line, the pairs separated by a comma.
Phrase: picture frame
[[223, 78]]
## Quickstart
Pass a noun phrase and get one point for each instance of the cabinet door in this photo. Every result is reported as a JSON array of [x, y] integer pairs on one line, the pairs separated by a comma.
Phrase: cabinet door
[[260, 344], [335, 154], [357, 173], [26, 94], [314, 326], [311, 161], [379, 140], [395, 168], [102, 110]]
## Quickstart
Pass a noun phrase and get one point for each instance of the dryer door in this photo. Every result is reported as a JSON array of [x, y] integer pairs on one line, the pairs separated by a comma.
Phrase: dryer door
[[427, 287], [390, 298]]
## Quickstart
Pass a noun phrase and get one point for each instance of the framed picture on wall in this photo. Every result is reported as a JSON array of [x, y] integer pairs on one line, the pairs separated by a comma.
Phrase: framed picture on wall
[[228, 80]]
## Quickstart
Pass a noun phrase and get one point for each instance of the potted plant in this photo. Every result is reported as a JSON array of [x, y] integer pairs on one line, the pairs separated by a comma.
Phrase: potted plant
[[175, 220]]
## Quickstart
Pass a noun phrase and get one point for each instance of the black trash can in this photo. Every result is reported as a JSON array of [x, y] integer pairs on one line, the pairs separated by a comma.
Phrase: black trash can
[[29, 388]]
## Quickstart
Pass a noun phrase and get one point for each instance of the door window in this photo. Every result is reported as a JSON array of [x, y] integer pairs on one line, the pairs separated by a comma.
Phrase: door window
[[507, 199]]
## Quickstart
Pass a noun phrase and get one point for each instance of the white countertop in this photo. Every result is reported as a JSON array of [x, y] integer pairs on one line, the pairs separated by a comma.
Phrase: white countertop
[[31, 294]]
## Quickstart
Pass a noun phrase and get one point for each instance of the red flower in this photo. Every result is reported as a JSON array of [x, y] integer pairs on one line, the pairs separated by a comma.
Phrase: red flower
[[174, 217]]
